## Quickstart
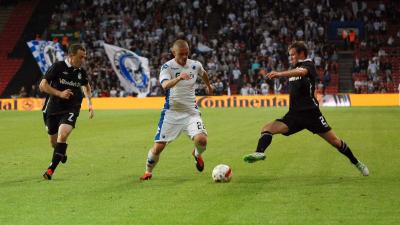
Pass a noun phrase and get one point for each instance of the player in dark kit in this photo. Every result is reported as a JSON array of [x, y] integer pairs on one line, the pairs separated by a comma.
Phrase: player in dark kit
[[303, 112], [64, 83]]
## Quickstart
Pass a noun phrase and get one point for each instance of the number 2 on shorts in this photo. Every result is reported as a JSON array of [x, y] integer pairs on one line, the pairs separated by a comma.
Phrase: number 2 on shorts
[[70, 118], [323, 121], [199, 126]]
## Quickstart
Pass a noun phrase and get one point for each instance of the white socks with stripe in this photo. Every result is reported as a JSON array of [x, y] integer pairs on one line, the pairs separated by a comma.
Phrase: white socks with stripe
[[151, 162]]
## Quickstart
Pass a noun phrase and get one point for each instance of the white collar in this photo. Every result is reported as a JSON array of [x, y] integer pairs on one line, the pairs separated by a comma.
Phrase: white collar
[[304, 60], [67, 62], [176, 63]]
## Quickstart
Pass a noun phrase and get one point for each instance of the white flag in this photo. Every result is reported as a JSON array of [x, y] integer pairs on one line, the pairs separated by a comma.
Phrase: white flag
[[132, 70], [203, 48]]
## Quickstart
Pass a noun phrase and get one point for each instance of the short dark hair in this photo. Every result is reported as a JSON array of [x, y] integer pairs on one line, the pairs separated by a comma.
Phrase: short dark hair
[[74, 48], [299, 46]]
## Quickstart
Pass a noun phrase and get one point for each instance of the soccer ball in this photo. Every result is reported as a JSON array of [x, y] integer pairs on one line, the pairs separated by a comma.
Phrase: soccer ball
[[222, 173]]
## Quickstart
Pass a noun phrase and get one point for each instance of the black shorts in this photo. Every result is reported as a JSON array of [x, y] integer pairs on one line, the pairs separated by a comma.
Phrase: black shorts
[[52, 122], [312, 120]]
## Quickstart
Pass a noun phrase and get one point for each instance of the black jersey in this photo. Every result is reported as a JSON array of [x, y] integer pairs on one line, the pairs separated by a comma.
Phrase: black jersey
[[61, 76], [302, 88]]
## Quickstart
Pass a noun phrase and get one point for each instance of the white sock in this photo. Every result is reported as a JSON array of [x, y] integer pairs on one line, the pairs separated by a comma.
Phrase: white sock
[[199, 150], [151, 161]]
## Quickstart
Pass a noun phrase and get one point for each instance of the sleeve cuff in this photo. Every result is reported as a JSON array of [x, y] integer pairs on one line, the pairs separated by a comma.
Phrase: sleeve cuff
[[163, 81]]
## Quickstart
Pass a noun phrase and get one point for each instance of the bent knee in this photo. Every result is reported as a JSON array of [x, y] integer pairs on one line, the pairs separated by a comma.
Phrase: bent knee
[[266, 129], [276, 127], [62, 136]]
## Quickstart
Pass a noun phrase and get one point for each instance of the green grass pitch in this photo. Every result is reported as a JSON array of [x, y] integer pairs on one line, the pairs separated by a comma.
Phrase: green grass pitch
[[303, 180]]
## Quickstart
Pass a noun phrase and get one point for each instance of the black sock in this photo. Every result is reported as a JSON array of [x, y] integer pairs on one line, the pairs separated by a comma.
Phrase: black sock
[[264, 141], [345, 150], [59, 152]]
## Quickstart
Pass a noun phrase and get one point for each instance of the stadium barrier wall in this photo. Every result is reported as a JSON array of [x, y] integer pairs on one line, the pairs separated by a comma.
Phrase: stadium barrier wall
[[344, 100], [375, 99]]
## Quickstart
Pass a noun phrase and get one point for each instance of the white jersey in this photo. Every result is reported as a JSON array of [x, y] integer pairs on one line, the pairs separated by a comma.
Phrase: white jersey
[[182, 96], [180, 113]]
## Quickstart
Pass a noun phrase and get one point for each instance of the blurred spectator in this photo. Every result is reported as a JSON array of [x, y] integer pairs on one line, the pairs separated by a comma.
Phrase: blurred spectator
[[317, 61], [22, 93], [65, 42], [236, 75], [34, 92], [363, 65], [356, 66], [357, 86], [218, 87], [113, 92], [370, 86], [345, 38], [244, 90], [387, 69], [251, 90], [352, 38], [264, 88], [390, 41], [153, 85], [372, 70], [277, 86], [320, 88], [327, 80]]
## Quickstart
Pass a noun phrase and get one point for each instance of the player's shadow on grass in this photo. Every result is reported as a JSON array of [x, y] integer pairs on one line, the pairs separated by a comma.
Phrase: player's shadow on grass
[[300, 180], [25, 180], [132, 182]]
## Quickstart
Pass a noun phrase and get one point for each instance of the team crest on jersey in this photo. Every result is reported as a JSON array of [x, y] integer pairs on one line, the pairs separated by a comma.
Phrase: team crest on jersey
[[131, 68], [193, 67], [79, 76], [165, 66]]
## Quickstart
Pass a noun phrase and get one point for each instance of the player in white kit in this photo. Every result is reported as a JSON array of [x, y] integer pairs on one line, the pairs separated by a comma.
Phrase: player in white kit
[[180, 113]]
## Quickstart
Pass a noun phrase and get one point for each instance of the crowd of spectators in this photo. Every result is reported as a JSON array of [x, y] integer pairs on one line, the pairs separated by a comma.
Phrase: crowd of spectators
[[373, 74], [250, 39], [373, 67]]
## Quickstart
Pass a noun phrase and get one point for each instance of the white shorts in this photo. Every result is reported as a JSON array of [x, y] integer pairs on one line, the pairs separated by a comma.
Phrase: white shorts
[[172, 123]]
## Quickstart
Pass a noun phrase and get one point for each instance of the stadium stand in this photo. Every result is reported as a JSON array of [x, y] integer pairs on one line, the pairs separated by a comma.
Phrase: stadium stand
[[376, 67], [10, 33], [247, 38]]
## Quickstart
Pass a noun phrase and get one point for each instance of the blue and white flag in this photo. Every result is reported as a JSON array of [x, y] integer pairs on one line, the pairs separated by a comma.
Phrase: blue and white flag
[[46, 53], [132, 70]]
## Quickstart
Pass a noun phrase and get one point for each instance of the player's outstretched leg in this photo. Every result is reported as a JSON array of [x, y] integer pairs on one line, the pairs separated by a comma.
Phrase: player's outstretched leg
[[343, 148], [152, 159], [265, 140], [200, 142]]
